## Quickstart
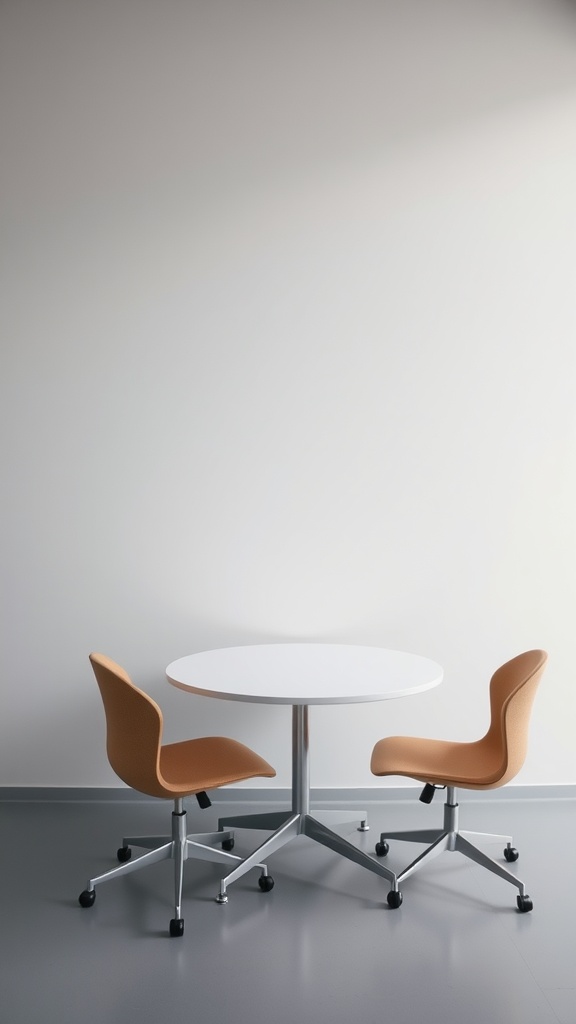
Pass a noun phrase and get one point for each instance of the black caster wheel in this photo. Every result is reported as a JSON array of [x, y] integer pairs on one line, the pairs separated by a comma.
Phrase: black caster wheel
[[525, 904], [382, 849], [510, 854], [266, 883], [176, 927], [394, 898], [86, 898], [124, 853], [228, 844]]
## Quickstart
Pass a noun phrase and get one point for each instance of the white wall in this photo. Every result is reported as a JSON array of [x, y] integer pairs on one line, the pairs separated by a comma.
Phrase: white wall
[[288, 353]]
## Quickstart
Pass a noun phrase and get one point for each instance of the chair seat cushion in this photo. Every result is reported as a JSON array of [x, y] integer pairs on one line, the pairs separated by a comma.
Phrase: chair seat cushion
[[192, 766], [442, 762]]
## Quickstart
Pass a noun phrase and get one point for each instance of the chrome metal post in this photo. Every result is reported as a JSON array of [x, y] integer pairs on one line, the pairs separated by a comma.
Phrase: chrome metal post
[[300, 760], [451, 818], [179, 852]]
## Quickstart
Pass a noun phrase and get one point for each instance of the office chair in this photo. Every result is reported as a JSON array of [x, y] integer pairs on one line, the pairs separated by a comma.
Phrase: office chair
[[487, 763], [173, 771]]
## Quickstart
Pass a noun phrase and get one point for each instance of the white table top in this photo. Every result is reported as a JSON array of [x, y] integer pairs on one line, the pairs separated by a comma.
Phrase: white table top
[[304, 673]]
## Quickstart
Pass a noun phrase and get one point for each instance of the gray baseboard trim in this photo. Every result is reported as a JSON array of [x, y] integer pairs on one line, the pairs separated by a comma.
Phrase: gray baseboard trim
[[242, 795]]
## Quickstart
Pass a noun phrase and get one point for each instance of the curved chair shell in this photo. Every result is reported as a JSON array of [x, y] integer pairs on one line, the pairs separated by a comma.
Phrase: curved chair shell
[[487, 763], [134, 726]]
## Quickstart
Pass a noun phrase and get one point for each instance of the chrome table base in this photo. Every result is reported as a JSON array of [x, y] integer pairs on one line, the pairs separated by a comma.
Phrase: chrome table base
[[286, 825]]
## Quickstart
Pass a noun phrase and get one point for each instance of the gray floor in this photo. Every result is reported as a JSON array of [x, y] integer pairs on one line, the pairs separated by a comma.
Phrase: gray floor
[[322, 946]]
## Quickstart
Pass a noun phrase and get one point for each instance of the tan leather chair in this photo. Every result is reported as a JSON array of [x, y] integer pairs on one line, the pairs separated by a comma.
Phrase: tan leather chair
[[487, 763], [172, 772]]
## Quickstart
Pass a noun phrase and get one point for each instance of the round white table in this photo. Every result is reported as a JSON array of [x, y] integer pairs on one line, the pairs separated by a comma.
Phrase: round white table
[[302, 675]]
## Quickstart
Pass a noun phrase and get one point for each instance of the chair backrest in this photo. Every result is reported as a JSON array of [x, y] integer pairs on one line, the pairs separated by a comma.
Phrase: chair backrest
[[512, 690], [133, 727]]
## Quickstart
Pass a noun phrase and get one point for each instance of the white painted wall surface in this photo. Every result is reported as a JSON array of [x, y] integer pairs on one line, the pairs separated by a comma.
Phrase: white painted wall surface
[[288, 353]]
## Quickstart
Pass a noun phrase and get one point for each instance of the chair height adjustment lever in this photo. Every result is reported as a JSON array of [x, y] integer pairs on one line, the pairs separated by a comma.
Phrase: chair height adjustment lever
[[427, 793], [203, 800]]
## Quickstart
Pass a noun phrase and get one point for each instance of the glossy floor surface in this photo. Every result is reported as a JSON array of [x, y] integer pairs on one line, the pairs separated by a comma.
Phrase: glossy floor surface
[[322, 946]]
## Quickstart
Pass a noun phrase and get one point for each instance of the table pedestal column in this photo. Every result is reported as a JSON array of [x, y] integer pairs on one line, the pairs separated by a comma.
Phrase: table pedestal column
[[300, 760]]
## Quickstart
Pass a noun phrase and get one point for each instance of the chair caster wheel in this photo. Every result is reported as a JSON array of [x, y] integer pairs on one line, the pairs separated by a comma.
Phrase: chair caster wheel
[[382, 848], [511, 853], [524, 904], [176, 927], [266, 883], [124, 854], [86, 898], [228, 844], [394, 898]]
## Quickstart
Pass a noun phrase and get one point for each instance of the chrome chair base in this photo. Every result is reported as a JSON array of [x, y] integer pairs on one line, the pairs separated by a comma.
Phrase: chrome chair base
[[452, 839], [179, 847]]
